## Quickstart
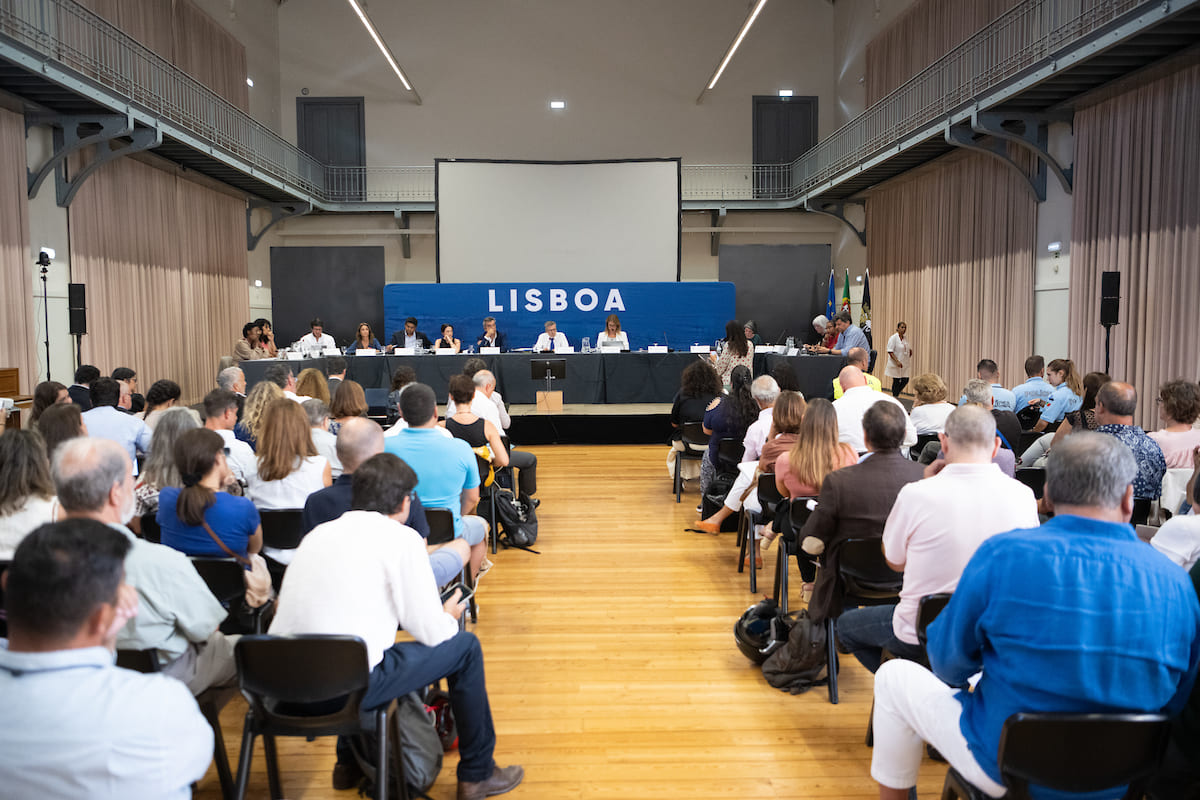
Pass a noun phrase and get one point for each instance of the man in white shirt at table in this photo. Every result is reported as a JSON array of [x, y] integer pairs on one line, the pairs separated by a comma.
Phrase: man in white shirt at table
[[317, 338], [551, 339]]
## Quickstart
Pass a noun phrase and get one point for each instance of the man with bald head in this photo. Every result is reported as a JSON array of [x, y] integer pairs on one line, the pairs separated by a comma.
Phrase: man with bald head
[[933, 530], [858, 357], [856, 398], [1115, 404], [357, 440], [178, 615]]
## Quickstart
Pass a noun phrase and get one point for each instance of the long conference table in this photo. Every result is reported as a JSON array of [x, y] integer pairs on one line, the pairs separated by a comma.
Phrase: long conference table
[[592, 378]]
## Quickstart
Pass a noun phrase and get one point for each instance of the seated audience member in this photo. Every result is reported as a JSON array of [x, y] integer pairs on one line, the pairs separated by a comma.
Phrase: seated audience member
[[1115, 404], [311, 383], [1036, 612], [337, 373], [1036, 388], [261, 396], [699, 385], [81, 390], [612, 336], [232, 379], [735, 352], [933, 529], [987, 370], [349, 403], [485, 405], [929, 408], [551, 339], [75, 725], [266, 339], [411, 337], [60, 423], [854, 502], [46, 394], [860, 358], [162, 395], [247, 348], [472, 368], [448, 475], [1179, 772], [1067, 395], [364, 339], [852, 406], [1179, 537], [289, 468], [765, 391], [178, 615], [472, 428], [160, 471], [490, 336], [815, 453], [849, 336], [282, 376], [402, 377], [785, 376], [726, 417], [106, 421], [1178, 408], [192, 515], [978, 392], [220, 416], [317, 338], [446, 340], [26, 490], [367, 573], [128, 380], [325, 442], [1082, 420]]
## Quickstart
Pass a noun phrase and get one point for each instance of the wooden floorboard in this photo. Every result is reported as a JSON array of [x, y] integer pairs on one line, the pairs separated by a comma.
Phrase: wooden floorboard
[[611, 665]]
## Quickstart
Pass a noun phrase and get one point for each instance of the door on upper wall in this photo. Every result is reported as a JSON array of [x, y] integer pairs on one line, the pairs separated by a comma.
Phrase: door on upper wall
[[333, 131], [784, 128]]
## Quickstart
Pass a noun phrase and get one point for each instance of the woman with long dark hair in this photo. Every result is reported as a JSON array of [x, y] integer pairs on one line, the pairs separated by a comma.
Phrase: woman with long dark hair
[[349, 401], [26, 489], [736, 352], [58, 423], [162, 395], [46, 394], [364, 339], [727, 417]]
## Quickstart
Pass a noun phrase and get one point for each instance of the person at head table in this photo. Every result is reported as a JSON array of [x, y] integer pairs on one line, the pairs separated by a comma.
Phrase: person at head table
[[364, 339], [317, 338], [551, 339], [491, 337], [612, 336], [410, 336], [447, 341]]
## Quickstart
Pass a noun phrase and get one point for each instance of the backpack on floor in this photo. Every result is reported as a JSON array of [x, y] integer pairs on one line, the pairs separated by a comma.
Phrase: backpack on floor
[[800, 663], [516, 517], [761, 630], [420, 749]]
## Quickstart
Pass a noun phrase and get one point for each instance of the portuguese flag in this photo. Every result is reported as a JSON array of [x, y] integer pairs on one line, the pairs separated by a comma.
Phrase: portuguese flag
[[846, 293]]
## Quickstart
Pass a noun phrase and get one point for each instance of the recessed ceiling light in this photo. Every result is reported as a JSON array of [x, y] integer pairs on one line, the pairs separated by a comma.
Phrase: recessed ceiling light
[[558, 104], [785, 92], [258, 284], [250, 82]]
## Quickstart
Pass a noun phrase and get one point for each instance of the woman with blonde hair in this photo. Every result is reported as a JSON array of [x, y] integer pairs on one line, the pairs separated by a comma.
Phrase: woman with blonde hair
[[311, 382], [160, 471], [930, 408], [817, 452], [612, 335], [262, 395], [349, 401], [1067, 395]]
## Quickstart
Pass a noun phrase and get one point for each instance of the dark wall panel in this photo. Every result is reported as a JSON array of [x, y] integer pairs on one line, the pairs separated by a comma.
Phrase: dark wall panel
[[341, 285], [780, 286]]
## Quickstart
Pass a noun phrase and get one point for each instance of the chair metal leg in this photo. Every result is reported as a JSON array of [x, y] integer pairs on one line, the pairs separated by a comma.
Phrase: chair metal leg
[[781, 576], [678, 476], [752, 555], [870, 740], [494, 530], [956, 787], [212, 713], [831, 658], [244, 757], [469, 582], [272, 767], [381, 755]]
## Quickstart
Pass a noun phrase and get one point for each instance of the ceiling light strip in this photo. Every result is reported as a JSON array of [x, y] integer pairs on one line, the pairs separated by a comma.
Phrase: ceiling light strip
[[383, 48], [716, 76]]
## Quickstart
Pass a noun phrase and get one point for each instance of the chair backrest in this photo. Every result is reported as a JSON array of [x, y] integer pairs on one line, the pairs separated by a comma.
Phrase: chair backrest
[[798, 514], [296, 683], [768, 492], [729, 454], [225, 363], [138, 660], [282, 529], [922, 440], [1034, 478], [150, 530], [927, 610], [1028, 417], [1080, 752], [441, 525], [224, 576], [377, 403], [864, 572], [693, 434]]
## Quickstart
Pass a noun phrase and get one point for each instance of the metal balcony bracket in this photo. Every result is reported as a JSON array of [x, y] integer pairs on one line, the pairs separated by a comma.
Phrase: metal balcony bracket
[[1029, 131], [714, 239], [837, 210], [71, 133], [279, 212], [402, 222]]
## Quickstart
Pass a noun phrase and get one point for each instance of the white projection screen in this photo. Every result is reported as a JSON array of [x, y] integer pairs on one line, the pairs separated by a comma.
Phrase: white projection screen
[[527, 221]]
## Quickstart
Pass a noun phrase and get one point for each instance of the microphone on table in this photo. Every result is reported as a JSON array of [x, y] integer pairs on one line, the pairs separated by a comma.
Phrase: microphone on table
[[665, 342]]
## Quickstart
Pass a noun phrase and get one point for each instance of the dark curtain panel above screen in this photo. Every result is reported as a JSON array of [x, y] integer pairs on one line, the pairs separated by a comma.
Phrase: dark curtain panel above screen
[[779, 286], [341, 285]]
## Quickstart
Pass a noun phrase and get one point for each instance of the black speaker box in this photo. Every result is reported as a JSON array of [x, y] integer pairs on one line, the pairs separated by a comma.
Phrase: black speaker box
[[76, 295], [1110, 298], [78, 321], [1110, 284]]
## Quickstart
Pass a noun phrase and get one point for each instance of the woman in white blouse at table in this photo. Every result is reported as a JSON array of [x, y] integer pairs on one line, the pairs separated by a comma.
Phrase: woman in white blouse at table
[[612, 335]]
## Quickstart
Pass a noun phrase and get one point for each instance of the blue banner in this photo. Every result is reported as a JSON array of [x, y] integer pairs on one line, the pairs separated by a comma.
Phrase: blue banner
[[674, 314]]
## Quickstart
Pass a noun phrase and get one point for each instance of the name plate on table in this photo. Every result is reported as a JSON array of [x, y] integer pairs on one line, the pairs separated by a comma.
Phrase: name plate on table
[[403, 351], [489, 351], [331, 351], [367, 351], [565, 350], [657, 348], [295, 356], [701, 348], [444, 351], [795, 351], [764, 348]]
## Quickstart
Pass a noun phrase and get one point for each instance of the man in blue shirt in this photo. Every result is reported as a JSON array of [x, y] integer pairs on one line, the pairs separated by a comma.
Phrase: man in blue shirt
[[1076, 616], [106, 421], [1115, 404], [849, 336], [1035, 387], [1002, 399], [447, 472]]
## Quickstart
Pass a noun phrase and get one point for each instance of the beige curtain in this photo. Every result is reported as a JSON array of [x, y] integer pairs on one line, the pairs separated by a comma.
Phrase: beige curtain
[[20, 329], [1137, 211], [164, 260], [950, 250]]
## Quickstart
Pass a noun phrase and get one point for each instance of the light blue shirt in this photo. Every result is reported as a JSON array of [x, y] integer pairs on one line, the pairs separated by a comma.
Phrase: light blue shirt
[[852, 337], [1062, 402], [444, 467], [1035, 388], [109, 422], [75, 725], [1002, 399]]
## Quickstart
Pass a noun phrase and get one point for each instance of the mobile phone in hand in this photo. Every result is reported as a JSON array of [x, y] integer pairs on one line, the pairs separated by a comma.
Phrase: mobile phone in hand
[[448, 592]]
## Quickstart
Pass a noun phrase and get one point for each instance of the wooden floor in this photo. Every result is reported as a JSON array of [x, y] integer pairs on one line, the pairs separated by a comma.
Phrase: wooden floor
[[611, 664]]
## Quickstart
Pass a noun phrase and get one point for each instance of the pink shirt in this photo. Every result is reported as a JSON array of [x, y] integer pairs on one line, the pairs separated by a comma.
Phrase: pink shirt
[[1178, 447], [784, 474], [936, 525]]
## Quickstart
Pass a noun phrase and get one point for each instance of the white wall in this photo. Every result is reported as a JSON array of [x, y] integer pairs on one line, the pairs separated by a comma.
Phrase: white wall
[[1052, 275], [255, 23], [48, 228], [856, 23]]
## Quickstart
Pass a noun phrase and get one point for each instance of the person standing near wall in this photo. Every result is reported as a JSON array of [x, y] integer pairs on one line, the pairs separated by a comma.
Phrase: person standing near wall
[[899, 363]]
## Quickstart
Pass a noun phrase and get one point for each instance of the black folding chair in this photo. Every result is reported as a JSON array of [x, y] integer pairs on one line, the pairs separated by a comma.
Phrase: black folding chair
[[789, 545], [1073, 753], [928, 608], [1028, 417], [149, 527], [768, 497], [308, 686], [1034, 478], [441, 531], [866, 580], [487, 494], [282, 529], [226, 580], [695, 444], [211, 701]]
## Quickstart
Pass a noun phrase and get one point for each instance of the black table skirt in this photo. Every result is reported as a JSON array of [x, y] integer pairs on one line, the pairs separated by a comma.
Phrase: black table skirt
[[591, 377]]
